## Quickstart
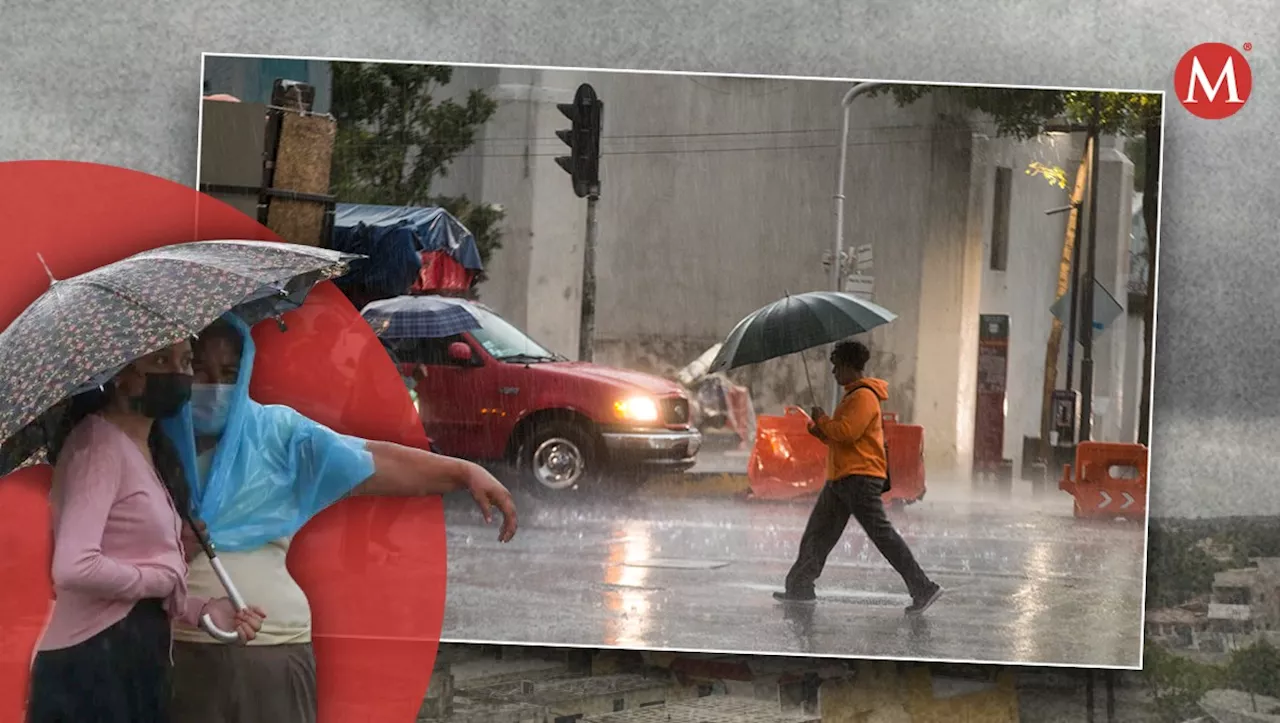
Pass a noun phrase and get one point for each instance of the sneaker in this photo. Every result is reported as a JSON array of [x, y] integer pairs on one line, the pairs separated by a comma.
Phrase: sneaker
[[795, 598], [921, 602]]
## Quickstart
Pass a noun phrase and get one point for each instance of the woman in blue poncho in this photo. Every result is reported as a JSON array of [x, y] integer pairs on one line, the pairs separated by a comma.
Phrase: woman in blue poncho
[[262, 471]]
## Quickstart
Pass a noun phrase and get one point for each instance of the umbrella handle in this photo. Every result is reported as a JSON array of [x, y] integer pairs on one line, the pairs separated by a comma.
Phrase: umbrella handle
[[206, 620], [233, 592]]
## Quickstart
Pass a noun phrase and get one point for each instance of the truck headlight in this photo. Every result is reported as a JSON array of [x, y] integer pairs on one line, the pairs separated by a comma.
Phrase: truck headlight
[[637, 409]]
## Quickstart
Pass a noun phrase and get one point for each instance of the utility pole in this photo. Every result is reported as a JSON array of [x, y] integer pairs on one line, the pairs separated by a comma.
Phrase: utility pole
[[1090, 274], [586, 113], [1074, 289], [1152, 217]]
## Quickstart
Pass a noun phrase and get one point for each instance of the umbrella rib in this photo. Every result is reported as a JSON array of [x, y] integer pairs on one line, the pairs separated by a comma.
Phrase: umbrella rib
[[123, 294], [264, 278]]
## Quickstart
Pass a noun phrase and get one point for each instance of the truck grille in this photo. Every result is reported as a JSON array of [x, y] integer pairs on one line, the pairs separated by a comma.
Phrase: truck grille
[[675, 410]]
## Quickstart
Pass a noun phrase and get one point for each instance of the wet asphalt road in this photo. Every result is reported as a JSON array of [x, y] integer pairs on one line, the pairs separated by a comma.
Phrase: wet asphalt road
[[1026, 583]]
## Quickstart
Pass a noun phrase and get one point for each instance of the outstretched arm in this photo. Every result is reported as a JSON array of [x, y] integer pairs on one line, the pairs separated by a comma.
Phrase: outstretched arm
[[402, 471]]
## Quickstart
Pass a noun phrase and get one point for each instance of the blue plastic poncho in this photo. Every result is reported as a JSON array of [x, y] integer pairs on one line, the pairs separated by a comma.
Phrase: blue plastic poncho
[[272, 470]]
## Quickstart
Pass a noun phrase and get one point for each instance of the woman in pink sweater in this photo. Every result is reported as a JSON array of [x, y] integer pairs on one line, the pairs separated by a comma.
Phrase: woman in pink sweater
[[119, 569]]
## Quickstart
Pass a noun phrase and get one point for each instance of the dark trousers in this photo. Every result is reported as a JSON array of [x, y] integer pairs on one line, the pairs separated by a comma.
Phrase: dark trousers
[[120, 675], [217, 683], [857, 497]]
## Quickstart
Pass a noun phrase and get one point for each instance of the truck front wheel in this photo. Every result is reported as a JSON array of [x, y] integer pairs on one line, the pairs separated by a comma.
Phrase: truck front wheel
[[558, 457]]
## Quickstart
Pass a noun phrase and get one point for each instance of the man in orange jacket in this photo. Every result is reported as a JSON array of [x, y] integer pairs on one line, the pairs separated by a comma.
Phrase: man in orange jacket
[[857, 469]]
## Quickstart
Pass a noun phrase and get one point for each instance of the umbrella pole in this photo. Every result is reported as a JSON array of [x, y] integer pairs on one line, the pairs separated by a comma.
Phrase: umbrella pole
[[813, 398], [206, 621]]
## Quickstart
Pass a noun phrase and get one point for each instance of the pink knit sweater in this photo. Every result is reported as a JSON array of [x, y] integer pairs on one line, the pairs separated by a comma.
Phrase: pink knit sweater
[[117, 537]]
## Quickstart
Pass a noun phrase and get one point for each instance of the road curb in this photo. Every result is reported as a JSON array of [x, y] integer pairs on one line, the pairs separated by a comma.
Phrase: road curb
[[714, 485]]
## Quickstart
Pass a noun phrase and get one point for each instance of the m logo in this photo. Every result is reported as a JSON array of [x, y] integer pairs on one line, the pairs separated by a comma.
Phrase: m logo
[[1213, 80]]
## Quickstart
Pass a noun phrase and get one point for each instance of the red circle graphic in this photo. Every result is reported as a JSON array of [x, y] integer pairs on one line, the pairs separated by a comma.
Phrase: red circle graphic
[[374, 569]]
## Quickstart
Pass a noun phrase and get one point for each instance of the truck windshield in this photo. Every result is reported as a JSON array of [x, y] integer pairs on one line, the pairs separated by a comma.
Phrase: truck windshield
[[505, 342]]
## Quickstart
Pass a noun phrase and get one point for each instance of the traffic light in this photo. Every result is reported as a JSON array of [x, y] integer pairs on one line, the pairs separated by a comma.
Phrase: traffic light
[[585, 114]]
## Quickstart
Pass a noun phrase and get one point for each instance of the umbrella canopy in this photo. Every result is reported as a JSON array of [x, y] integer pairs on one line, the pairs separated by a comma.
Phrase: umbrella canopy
[[795, 324], [83, 330], [419, 317]]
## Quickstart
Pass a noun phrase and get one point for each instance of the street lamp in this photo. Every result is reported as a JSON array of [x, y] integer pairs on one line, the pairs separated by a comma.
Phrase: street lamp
[[837, 242]]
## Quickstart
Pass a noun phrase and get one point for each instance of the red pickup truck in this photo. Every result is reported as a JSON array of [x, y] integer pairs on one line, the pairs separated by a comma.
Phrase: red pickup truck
[[493, 395]]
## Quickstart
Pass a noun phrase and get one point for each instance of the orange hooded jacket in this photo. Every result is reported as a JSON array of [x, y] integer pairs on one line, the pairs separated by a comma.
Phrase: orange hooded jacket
[[854, 434]]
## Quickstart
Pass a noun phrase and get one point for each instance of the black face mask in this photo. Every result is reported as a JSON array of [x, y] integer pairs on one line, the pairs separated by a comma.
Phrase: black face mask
[[164, 394]]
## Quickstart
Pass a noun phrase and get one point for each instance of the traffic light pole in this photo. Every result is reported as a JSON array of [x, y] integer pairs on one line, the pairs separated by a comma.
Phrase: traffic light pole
[[586, 114], [587, 322]]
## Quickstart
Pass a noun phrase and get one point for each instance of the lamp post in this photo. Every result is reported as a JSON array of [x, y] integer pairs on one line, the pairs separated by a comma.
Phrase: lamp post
[[837, 241]]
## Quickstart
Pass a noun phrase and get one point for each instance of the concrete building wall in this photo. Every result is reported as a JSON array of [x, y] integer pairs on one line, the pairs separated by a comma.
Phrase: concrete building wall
[[1111, 347], [1026, 289], [717, 199], [717, 202], [714, 204]]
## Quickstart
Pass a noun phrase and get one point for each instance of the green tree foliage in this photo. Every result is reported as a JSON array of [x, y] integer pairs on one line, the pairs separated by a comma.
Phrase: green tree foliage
[[1177, 684], [1256, 670], [397, 135], [1177, 570], [1025, 113], [1252, 537]]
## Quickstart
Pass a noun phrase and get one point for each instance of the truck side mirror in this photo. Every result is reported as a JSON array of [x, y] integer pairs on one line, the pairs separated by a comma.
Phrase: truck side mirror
[[460, 352]]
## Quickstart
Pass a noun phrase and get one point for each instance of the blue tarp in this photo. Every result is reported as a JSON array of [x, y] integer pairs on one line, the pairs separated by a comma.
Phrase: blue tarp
[[393, 238]]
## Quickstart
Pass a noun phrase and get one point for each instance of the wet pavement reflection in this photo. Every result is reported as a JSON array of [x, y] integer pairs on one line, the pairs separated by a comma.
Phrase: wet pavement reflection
[[1026, 583]]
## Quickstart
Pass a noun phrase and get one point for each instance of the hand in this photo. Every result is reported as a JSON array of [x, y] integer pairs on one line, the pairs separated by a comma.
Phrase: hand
[[190, 545], [246, 622], [813, 430], [419, 373], [488, 493], [817, 413]]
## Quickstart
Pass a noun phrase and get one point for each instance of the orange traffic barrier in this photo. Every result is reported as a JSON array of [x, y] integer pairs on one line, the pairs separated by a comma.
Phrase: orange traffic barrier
[[906, 460], [1109, 481], [788, 463]]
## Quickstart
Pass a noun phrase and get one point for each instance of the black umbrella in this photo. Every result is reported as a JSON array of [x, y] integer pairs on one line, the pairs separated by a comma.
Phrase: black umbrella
[[795, 324], [84, 330]]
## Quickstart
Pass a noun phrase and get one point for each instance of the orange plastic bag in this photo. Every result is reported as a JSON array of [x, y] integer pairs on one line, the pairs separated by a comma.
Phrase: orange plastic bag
[[789, 463]]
